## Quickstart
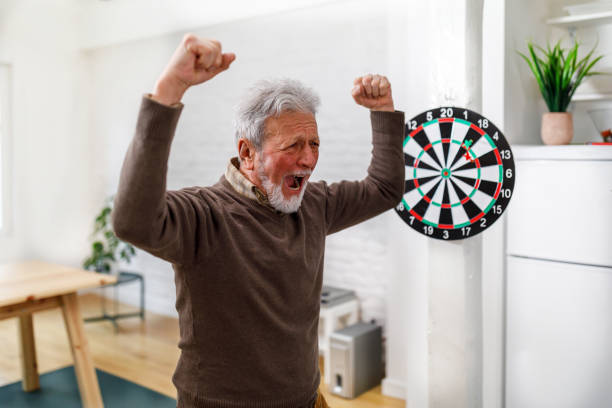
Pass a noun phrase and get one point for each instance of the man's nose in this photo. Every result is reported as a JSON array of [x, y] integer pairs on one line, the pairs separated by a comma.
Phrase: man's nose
[[308, 157]]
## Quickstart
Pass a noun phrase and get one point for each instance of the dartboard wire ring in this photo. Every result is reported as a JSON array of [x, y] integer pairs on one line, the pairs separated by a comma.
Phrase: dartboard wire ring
[[446, 181]]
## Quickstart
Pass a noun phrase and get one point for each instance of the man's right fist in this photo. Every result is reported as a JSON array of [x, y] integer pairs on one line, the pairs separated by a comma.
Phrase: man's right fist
[[196, 60]]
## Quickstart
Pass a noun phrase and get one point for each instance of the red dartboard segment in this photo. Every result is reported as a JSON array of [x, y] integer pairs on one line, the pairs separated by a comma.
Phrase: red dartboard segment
[[479, 216], [477, 129], [498, 157], [417, 216], [415, 131], [499, 185], [449, 207]]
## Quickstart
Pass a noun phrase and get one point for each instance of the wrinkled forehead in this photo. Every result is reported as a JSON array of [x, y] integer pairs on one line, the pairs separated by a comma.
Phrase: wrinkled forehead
[[290, 125]]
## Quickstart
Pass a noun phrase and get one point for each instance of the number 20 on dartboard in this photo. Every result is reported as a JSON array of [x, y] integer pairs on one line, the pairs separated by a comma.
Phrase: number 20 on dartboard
[[459, 173]]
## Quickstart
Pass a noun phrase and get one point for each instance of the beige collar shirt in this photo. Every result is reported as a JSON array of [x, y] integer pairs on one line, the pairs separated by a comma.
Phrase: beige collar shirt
[[242, 184]]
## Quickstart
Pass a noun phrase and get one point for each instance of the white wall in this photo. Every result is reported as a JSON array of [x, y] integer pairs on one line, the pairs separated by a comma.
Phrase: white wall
[[6, 184], [407, 297], [493, 244], [524, 103], [412, 25], [50, 152], [324, 46]]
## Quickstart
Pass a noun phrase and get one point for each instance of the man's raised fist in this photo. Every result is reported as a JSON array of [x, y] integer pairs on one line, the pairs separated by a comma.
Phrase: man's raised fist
[[373, 92], [196, 60]]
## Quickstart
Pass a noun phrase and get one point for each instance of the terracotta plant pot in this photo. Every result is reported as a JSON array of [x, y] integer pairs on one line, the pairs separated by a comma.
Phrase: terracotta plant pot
[[557, 128]]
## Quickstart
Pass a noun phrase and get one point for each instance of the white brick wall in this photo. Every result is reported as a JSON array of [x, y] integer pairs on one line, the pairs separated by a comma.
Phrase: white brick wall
[[325, 47]]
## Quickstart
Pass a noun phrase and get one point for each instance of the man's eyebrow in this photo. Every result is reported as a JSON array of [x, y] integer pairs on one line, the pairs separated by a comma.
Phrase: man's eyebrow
[[288, 141]]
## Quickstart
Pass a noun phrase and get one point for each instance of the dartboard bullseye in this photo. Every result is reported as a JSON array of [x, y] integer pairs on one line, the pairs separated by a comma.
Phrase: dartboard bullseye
[[459, 173]]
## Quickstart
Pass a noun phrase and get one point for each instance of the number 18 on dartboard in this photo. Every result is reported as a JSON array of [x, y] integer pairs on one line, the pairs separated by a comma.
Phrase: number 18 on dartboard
[[459, 173]]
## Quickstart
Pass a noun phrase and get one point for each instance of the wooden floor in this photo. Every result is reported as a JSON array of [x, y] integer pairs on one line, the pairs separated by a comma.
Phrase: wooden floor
[[144, 353]]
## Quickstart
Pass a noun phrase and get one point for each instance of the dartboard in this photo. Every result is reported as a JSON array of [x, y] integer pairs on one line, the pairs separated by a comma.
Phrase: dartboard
[[459, 173]]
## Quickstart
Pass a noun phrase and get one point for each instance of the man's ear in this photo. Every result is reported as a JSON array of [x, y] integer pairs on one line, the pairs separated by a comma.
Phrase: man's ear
[[246, 153]]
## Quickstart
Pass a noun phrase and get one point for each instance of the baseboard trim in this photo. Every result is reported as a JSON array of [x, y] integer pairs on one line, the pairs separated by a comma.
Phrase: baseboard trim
[[394, 388]]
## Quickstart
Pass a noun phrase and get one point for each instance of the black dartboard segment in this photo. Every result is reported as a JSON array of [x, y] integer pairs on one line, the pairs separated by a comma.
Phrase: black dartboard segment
[[459, 173]]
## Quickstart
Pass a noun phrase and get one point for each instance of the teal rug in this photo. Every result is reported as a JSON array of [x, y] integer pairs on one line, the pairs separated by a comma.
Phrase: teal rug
[[59, 389]]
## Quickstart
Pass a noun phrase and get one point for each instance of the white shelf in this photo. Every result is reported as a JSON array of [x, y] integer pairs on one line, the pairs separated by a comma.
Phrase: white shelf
[[581, 20], [565, 152], [574, 22], [592, 97]]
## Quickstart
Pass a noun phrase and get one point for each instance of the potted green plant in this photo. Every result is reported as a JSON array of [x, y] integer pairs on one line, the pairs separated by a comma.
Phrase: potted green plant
[[559, 72], [107, 249]]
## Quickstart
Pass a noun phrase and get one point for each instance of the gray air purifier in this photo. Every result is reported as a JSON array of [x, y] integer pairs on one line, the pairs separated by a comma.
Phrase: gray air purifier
[[356, 359]]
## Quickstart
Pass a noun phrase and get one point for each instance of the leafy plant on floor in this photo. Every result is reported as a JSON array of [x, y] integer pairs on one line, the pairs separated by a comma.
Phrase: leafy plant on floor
[[559, 72], [106, 248]]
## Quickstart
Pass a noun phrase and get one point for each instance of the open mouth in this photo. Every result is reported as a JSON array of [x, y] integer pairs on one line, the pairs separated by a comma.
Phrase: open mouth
[[294, 182]]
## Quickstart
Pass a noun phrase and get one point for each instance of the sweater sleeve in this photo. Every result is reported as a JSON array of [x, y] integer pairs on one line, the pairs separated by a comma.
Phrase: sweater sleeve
[[351, 202], [144, 213]]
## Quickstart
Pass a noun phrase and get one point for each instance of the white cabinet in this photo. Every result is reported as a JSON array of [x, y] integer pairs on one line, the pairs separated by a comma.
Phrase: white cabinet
[[562, 204], [559, 283], [559, 335]]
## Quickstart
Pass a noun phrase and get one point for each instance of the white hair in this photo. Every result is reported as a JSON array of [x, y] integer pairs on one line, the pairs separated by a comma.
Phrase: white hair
[[270, 98]]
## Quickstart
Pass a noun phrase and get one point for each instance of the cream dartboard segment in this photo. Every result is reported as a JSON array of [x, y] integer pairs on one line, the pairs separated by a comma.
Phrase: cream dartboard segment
[[459, 173]]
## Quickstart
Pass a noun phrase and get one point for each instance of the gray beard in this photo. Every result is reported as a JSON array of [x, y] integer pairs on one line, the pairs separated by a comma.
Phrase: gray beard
[[275, 193]]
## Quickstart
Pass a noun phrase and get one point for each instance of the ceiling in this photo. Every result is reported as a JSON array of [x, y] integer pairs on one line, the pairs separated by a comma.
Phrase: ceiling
[[106, 22]]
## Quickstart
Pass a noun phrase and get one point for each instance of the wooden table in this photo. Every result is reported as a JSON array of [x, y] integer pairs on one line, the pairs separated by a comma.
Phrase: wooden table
[[32, 286]]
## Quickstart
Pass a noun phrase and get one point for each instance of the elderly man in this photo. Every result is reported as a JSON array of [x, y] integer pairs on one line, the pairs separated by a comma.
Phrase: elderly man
[[248, 251]]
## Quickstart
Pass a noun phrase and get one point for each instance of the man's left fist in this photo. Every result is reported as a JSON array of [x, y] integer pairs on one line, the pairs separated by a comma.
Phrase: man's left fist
[[373, 92]]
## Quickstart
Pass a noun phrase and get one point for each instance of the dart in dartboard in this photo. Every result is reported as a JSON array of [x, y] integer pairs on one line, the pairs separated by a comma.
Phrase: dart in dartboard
[[459, 173]]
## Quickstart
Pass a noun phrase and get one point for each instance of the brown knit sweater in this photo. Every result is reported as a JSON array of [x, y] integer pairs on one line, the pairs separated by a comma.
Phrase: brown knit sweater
[[248, 278]]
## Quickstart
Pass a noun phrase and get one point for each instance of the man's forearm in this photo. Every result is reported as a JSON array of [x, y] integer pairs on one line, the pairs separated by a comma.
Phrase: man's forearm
[[144, 214], [387, 164], [169, 91], [139, 203]]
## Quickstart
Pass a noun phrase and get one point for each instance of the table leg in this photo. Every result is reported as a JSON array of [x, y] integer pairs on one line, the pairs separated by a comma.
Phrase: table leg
[[83, 363], [29, 367]]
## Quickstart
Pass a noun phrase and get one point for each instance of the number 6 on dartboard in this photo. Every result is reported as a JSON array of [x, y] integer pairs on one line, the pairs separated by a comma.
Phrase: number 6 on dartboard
[[459, 169]]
